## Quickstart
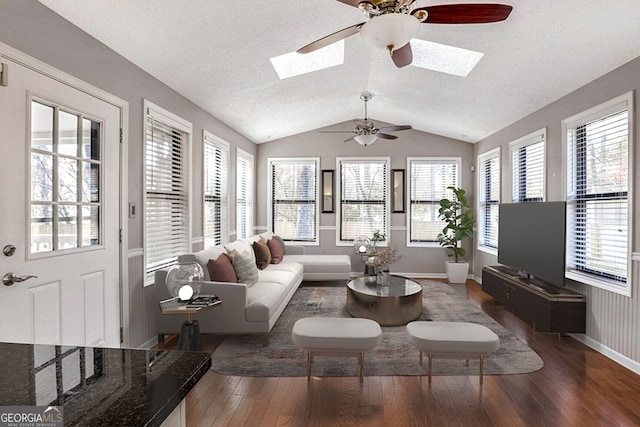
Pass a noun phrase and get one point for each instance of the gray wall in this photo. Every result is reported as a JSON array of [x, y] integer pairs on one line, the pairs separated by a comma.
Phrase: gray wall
[[412, 143], [30, 27], [612, 319]]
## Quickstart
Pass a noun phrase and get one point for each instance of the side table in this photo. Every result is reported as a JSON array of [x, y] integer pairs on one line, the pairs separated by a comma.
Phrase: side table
[[189, 339]]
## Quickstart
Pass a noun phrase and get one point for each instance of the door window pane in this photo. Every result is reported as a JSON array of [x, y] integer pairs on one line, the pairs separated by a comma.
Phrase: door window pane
[[41, 228], [68, 134], [67, 227], [90, 139], [67, 180], [41, 177], [41, 126]]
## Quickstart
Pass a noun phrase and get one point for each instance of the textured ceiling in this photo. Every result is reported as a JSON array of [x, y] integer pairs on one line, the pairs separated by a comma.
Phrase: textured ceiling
[[217, 55]]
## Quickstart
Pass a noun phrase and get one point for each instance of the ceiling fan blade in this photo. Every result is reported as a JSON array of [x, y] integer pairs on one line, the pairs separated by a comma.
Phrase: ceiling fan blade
[[353, 138], [385, 136], [331, 38], [336, 131], [472, 13], [394, 128], [353, 3], [403, 56]]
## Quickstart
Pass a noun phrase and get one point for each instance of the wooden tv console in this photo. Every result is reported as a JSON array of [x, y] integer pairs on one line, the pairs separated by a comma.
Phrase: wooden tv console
[[549, 308]]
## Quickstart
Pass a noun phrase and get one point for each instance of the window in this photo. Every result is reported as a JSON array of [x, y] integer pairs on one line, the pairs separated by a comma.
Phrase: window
[[488, 200], [428, 182], [363, 197], [167, 227], [215, 206], [527, 168], [244, 194], [598, 211], [65, 170], [294, 193]]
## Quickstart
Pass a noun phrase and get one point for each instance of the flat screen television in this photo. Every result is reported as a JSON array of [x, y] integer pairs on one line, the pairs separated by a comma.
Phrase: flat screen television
[[531, 239]]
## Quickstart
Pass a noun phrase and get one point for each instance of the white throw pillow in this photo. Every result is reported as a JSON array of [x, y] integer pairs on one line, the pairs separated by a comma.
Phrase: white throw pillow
[[246, 270]]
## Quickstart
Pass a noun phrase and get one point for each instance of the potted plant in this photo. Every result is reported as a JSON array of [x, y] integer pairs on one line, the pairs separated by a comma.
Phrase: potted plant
[[378, 237], [458, 217]]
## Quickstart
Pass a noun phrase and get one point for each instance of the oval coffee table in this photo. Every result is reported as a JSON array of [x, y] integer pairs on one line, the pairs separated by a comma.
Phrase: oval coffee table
[[395, 304]]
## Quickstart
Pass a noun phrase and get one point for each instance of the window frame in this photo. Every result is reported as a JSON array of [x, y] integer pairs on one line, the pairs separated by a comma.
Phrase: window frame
[[599, 112], [387, 201], [271, 161], [457, 161], [55, 203], [223, 175], [170, 119], [539, 136], [481, 217], [242, 155]]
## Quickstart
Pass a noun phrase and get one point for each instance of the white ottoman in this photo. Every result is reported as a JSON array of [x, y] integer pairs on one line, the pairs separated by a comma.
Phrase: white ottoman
[[459, 340], [336, 336]]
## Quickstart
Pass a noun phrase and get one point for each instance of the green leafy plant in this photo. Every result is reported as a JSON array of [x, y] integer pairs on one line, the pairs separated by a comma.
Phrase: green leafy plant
[[379, 236], [458, 216]]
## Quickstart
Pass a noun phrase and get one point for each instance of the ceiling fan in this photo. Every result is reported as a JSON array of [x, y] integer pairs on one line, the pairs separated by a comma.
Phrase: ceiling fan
[[366, 131], [393, 23]]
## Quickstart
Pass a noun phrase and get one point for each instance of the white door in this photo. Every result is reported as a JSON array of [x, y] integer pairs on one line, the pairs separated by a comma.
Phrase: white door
[[59, 213]]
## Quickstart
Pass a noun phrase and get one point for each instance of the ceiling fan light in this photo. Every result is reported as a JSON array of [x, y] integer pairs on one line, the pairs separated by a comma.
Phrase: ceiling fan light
[[365, 140], [391, 31]]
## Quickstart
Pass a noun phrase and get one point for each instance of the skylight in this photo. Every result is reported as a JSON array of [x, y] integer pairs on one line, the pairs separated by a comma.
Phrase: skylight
[[443, 58], [293, 63]]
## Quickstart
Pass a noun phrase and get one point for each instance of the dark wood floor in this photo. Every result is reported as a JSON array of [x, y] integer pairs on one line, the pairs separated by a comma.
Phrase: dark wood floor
[[576, 387]]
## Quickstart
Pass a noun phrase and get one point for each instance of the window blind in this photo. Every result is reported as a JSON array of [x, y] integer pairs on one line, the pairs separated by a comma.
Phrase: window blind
[[216, 170], [489, 198], [294, 194], [527, 166], [167, 204], [363, 198], [597, 195], [244, 194], [429, 179]]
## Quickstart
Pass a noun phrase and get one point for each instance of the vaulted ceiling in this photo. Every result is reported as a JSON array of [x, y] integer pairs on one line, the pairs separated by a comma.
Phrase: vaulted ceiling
[[217, 54]]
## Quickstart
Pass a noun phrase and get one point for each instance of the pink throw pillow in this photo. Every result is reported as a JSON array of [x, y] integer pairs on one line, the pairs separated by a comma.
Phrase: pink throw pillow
[[276, 251], [221, 270]]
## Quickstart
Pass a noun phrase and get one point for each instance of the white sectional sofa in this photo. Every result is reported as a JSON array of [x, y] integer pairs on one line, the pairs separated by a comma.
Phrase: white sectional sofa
[[252, 309]]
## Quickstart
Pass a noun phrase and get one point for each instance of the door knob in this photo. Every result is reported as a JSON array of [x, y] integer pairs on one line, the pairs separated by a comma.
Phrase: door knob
[[10, 278]]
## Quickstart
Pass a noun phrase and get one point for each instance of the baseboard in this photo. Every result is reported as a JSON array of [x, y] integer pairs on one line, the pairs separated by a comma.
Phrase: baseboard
[[415, 276], [610, 353], [147, 345]]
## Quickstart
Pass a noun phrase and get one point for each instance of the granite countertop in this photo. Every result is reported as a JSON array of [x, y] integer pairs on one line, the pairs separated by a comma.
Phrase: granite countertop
[[99, 386]]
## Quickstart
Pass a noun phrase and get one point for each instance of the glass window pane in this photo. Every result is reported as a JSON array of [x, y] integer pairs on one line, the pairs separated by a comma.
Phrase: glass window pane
[[41, 177], [68, 134], [41, 228], [91, 183], [90, 225], [67, 180], [41, 126], [425, 225], [90, 139], [360, 219], [67, 227]]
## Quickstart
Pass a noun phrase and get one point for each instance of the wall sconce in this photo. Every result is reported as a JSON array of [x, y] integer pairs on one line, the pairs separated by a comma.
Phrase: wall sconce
[[397, 195], [327, 191]]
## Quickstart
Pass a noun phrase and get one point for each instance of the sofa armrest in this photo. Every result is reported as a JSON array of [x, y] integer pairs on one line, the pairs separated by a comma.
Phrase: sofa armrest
[[295, 250]]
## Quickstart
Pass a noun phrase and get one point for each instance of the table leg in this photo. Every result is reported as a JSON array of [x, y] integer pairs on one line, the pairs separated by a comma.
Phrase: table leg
[[189, 336]]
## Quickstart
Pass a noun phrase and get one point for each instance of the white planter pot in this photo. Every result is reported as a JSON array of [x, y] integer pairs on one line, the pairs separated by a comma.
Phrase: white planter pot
[[457, 272]]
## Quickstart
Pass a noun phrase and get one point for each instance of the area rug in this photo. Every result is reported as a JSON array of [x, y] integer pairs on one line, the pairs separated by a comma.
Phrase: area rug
[[246, 356]]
